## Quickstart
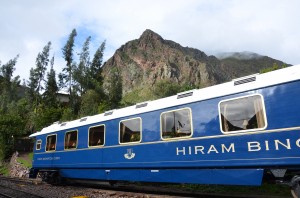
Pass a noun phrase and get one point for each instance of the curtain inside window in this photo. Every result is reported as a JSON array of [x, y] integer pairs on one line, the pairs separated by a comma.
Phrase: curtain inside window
[[67, 143], [225, 123], [259, 113]]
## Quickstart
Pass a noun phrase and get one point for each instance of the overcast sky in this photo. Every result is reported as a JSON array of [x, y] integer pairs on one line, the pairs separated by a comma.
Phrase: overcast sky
[[266, 27]]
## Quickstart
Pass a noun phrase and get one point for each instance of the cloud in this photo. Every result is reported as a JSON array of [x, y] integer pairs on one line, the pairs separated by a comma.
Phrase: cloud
[[266, 27]]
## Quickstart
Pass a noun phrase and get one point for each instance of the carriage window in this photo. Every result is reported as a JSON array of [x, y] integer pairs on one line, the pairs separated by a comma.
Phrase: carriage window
[[51, 143], [96, 135], [176, 124], [242, 114], [71, 140], [130, 130], [38, 144]]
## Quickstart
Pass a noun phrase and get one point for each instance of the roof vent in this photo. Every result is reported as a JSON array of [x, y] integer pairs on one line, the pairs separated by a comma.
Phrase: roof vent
[[57, 122], [107, 113], [244, 80], [83, 119], [140, 105], [185, 94], [63, 124]]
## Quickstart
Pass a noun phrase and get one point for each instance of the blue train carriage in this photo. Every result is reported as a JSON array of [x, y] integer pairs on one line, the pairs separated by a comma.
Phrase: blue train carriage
[[237, 133]]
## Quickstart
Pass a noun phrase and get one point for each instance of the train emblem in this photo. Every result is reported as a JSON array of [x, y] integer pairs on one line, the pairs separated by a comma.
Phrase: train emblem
[[130, 154]]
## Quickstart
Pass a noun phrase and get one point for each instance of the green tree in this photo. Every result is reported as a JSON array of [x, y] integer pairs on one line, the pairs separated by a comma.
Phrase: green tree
[[67, 51], [11, 124], [92, 94], [89, 103], [66, 77], [32, 84], [9, 85], [37, 75], [67, 114], [115, 89], [82, 71], [46, 116], [165, 88], [96, 69], [273, 68], [23, 108], [42, 61], [51, 88]]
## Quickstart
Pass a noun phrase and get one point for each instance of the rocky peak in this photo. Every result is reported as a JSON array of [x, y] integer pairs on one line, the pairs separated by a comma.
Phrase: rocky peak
[[149, 35], [145, 61]]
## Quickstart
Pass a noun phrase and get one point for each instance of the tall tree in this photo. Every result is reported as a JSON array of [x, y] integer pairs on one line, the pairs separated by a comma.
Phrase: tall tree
[[82, 71], [37, 75], [67, 51], [49, 111], [96, 69], [32, 84], [67, 74], [8, 86], [115, 89], [42, 61], [51, 88], [94, 98]]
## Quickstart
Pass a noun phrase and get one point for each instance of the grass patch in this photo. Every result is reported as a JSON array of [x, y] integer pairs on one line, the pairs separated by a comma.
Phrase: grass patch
[[30, 156], [4, 170]]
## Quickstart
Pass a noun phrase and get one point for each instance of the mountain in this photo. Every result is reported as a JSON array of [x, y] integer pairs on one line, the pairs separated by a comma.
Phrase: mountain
[[144, 62], [238, 55], [238, 64]]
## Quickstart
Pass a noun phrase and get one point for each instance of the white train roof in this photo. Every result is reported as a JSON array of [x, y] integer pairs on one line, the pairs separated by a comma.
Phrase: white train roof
[[247, 83]]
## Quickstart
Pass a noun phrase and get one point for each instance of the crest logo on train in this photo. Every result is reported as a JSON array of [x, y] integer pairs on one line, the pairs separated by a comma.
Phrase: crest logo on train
[[130, 154]]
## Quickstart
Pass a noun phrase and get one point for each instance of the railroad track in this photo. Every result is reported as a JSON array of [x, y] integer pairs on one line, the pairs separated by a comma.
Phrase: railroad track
[[22, 180], [8, 192], [103, 189]]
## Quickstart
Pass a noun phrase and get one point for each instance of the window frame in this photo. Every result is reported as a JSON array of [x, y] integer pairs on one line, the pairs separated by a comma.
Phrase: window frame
[[245, 130], [141, 132], [76, 140], [47, 143], [103, 136], [38, 142], [176, 138]]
